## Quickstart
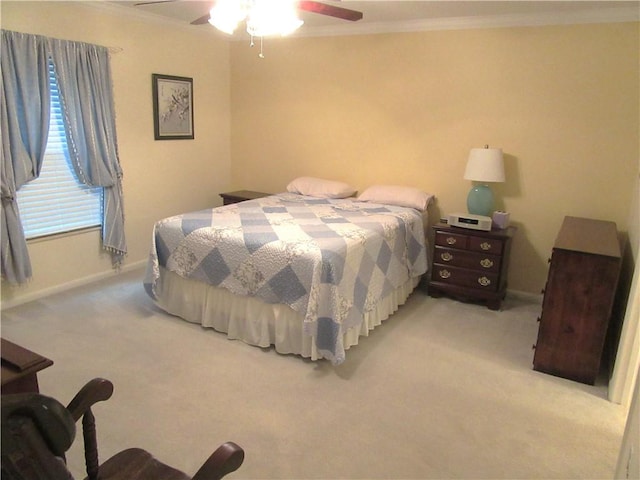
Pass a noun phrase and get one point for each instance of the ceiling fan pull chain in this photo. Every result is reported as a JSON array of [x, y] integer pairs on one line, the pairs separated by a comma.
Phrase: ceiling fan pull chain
[[252, 44]]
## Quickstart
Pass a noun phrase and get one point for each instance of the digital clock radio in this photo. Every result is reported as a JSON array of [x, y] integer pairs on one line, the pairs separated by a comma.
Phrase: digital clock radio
[[469, 220]]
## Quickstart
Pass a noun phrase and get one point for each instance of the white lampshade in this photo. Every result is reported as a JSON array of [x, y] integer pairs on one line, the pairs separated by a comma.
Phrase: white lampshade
[[485, 165]]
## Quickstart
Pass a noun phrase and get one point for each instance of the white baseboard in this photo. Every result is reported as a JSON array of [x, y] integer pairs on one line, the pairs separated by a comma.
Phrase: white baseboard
[[532, 297], [69, 285]]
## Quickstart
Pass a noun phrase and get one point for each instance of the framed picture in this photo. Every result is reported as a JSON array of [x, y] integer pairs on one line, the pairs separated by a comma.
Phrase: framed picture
[[172, 107]]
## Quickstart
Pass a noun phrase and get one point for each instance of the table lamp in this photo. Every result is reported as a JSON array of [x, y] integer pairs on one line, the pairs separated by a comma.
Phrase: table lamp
[[484, 165]]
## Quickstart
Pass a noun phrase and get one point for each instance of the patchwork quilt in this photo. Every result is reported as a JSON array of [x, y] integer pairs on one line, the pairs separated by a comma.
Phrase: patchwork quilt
[[331, 260]]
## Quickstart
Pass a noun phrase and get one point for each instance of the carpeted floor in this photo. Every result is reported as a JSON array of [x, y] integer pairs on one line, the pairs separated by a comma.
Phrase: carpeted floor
[[442, 389]]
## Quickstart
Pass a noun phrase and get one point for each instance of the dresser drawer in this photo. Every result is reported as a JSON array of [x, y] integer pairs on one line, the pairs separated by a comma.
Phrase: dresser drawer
[[453, 240], [486, 245], [467, 259], [487, 281]]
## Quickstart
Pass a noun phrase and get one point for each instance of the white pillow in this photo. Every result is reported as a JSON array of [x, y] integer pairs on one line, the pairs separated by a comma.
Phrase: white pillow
[[318, 187], [397, 195]]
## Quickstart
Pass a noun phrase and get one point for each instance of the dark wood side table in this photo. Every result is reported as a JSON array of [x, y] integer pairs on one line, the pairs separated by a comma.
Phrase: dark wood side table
[[240, 196], [471, 264], [20, 368]]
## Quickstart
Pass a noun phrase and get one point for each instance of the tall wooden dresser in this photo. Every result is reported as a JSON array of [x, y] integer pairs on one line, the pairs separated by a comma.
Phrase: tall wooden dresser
[[578, 299]]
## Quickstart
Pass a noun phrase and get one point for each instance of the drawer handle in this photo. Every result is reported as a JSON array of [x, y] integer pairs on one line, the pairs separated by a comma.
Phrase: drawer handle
[[446, 256], [451, 240], [484, 281], [486, 263], [485, 246], [444, 273]]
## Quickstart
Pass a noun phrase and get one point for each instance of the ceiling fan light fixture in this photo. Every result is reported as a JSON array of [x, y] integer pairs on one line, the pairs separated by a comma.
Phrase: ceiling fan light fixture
[[227, 14], [272, 17], [263, 17]]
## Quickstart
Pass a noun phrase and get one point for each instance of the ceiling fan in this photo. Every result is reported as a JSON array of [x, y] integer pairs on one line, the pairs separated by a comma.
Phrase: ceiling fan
[[306, 5]]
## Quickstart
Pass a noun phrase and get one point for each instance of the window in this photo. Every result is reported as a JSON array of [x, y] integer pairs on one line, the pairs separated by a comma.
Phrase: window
[[56, 201]]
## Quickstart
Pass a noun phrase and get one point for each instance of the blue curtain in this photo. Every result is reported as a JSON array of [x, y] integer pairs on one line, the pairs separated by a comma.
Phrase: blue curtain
[[24, 119], [84, 79]]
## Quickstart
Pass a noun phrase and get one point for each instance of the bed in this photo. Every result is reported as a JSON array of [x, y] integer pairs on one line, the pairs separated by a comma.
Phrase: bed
[[305, 274]]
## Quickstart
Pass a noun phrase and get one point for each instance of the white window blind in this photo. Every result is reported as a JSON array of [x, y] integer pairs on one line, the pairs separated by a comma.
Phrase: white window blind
[[56, 202]]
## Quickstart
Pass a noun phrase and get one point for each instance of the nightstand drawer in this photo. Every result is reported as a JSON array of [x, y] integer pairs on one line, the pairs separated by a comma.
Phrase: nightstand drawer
[[467, 259], [453, 240], [487, 281], [486, 245]]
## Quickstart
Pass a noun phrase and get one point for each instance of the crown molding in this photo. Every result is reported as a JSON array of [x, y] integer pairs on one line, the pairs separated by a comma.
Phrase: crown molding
[[113, 8], [599, 15], [602, 15]]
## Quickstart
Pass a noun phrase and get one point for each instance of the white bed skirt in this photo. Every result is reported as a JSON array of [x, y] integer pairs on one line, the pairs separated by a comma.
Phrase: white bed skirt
[[258, 323]]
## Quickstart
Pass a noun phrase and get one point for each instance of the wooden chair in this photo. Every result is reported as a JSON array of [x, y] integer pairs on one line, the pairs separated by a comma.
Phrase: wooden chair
[[38, 430]]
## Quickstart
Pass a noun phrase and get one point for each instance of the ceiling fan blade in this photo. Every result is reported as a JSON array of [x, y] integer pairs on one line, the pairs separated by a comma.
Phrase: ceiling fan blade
[[201, 20], [330, 10]]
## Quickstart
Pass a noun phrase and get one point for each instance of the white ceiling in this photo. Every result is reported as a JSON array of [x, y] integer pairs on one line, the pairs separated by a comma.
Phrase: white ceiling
[[390, 15]]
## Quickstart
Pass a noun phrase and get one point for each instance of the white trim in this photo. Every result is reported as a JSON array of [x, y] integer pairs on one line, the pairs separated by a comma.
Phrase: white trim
[[63, 287], [531, 297], [625, 369], [68, 233], [596, 15], [627, 363], [149, 17], [603, 15]]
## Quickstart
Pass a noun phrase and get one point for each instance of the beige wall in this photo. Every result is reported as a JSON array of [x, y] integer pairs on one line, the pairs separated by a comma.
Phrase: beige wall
[[161, 178], [403, 108], [562, 101]]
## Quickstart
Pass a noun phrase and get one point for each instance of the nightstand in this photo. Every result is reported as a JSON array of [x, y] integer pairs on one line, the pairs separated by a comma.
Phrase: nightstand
[[471, 264], [240, 196]]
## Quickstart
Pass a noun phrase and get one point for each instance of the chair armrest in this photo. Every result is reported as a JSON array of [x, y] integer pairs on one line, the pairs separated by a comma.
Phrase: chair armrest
[[226, 459], [96, 390]]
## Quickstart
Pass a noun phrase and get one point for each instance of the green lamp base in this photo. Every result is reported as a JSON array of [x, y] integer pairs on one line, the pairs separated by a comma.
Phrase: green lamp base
[[480, 200]]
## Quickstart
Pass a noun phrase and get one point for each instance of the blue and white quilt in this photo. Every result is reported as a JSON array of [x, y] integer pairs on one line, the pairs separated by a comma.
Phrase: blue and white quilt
[[330, 260]]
